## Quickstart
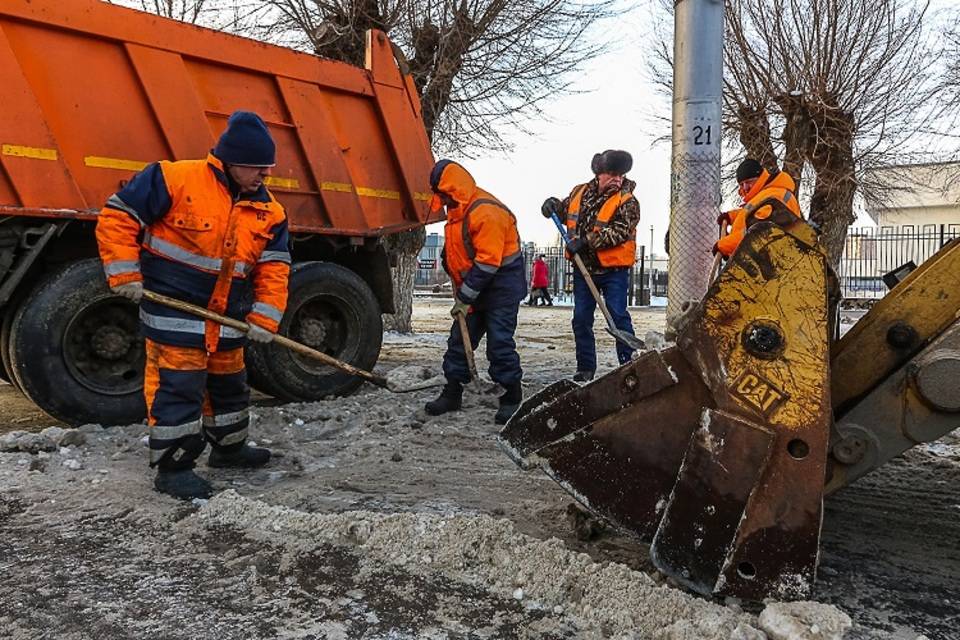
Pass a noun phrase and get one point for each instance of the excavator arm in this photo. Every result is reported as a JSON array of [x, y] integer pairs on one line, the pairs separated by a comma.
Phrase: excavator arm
[[720, 449]]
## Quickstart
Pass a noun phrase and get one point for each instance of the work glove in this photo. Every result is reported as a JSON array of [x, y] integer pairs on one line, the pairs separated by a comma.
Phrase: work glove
[[724, 218], [259, 334], [550, 207], [716, 248], [576, 245], [459, 307], [131, 290]]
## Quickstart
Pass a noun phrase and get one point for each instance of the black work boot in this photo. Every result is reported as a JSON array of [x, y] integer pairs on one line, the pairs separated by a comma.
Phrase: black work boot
[[509, 403], [450, 399], [583, 376], [182, 483], [240, 456]]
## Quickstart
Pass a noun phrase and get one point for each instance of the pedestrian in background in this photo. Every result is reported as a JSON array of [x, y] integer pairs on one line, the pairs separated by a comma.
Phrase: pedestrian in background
[[539, 283]]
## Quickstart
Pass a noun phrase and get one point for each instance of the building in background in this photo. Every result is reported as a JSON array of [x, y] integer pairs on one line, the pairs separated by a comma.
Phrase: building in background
[[430, 271], [919, 213], [917, 195]]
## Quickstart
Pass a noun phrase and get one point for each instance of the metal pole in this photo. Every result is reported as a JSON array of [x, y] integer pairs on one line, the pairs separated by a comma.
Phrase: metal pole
[[695, 166]]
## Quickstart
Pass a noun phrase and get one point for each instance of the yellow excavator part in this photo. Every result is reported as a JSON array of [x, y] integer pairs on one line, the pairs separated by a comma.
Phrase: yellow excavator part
[[718, 449]]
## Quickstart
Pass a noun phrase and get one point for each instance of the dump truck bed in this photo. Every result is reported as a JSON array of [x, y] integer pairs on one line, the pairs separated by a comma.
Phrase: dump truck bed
[[94, 92]]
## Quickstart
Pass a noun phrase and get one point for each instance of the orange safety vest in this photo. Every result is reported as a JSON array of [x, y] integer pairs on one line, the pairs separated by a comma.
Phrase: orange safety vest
[[463, 255], [199, 246], [621, 255], [774, 201]]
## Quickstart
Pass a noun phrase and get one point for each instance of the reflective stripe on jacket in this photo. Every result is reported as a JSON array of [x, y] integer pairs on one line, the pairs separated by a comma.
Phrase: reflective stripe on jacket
[[769, 199], [176, 226], [621, 255], [482, 250]]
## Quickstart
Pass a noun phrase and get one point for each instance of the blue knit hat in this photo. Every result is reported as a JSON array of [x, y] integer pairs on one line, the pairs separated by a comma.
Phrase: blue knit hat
[[246, 141]]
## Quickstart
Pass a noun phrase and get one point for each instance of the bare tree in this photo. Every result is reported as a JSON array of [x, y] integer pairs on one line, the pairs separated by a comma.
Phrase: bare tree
[[833, 88], [183, 10], [482, 67], [238, 16], [949, 89]]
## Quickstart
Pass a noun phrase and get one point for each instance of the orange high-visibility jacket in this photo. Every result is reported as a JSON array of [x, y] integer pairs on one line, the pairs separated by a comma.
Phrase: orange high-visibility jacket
[[177, 227], [767, 198], [482, 251], [621, 255]]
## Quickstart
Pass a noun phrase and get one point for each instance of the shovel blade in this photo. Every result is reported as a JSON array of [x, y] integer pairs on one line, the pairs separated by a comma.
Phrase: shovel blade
[[627, 339]]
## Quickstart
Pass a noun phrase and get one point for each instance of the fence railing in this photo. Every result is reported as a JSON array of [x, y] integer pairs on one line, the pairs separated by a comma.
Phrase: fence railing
[[430, 274], [869, 253]]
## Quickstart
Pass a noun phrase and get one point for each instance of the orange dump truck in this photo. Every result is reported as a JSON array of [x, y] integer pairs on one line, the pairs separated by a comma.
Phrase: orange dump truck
[[94, 92]]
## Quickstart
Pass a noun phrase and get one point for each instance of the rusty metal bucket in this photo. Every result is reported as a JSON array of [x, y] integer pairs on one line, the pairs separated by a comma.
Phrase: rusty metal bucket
[[714, 449]]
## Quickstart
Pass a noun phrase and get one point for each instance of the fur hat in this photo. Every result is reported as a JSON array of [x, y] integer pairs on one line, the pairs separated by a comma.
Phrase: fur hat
[[748, 169], [612, 161], [246, 142]]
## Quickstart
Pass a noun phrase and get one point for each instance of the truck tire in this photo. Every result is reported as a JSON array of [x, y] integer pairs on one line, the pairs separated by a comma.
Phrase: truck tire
[[333, 310], [76, 351]]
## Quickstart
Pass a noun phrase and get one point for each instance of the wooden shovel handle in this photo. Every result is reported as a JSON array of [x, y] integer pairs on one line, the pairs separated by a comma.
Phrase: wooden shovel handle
[[594, 291], [284, 341], [467, 347]]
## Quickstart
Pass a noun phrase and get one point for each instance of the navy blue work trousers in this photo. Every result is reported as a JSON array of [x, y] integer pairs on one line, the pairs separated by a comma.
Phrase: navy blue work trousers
[[613, 287], [498, 324]]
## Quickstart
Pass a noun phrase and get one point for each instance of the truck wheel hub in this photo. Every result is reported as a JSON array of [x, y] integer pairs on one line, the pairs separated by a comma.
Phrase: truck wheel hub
[[111, 342], [313, 332]]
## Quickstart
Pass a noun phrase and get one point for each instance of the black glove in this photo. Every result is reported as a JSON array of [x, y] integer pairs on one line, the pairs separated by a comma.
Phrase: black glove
[[576, 245], [550, 207]]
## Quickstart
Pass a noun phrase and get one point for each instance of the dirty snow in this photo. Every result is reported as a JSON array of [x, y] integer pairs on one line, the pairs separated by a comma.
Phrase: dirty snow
[[377, 521]]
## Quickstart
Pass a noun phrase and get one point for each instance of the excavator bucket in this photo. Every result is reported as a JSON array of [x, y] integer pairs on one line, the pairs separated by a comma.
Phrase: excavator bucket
[[715, 449]]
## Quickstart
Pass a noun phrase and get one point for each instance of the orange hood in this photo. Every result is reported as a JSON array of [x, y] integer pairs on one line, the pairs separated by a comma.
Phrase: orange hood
[[453, 180], [781, 180]]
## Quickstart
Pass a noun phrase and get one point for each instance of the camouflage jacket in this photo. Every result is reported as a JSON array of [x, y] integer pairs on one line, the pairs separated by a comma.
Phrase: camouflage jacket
[[622, 226]]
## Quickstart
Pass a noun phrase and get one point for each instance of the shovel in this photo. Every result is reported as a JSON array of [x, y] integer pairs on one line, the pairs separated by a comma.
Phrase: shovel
[[468, 352], [715, 269], [293, 345], [620, 335]]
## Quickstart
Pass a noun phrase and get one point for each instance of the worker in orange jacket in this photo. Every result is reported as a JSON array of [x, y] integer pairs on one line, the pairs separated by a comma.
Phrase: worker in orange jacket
[[483, 256], [767, 196], [207, 232], [601, 217]]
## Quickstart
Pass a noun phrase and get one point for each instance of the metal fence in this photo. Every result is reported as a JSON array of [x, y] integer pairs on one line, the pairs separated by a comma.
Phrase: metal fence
[[431, 277], [871, 252]]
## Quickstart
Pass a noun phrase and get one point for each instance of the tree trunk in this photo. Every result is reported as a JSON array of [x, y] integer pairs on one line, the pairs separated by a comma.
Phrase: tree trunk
[[404, 247], [831, 206]]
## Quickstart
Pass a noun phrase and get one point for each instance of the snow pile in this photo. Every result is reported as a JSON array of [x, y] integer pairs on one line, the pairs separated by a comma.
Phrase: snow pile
[[608, 599], [803, 621]]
